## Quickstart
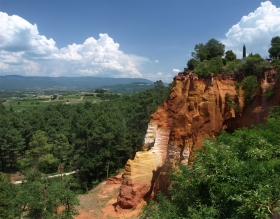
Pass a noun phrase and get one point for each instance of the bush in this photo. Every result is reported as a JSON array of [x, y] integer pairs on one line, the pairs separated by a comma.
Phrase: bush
[[269, 92], [214, 65], [254, 65], [202, 69], [231, 103], [230, 55], [192, 63], [250, 86], [234, 67], [48, 164], [275, 62]]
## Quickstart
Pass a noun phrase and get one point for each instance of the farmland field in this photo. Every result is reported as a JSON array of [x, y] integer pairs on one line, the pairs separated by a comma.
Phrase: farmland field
[[31, 103]]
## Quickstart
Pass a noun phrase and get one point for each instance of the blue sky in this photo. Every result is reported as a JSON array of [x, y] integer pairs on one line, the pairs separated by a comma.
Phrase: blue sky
[[151, 39]]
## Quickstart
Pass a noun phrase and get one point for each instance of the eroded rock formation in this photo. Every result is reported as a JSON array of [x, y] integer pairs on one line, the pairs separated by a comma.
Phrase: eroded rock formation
[[195, 109]]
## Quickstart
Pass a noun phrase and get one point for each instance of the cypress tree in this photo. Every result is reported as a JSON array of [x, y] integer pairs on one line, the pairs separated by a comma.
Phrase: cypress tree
[[244, 52]]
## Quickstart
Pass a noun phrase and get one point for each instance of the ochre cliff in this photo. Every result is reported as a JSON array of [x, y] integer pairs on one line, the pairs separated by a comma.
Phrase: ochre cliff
[[195, 109]]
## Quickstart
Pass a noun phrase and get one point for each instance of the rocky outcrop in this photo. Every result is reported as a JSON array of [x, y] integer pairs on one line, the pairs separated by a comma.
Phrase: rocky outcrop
[[141, 172], [195, 109]]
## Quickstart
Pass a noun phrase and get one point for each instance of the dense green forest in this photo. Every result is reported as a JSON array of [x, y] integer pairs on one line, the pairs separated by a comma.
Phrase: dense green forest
[[94, 139], [235, 176]]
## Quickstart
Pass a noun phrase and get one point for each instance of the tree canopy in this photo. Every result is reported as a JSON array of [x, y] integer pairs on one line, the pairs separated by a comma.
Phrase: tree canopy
[[192, 63], [253, 65], [230, 55], [250, 87], [274, 50], [213, 65], [213, 48]]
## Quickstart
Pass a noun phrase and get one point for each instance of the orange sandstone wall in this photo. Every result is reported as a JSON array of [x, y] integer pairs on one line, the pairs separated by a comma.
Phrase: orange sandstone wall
[[195, 109]]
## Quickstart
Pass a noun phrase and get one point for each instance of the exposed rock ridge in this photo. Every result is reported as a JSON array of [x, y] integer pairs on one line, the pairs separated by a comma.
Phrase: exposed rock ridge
[[196, 108]]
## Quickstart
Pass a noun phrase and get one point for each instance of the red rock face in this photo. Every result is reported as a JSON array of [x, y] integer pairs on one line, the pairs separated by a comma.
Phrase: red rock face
[[195, 109]]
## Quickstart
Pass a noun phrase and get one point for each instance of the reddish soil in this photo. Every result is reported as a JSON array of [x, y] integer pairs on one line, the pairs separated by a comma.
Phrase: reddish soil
[[100, 203], [16, 176]]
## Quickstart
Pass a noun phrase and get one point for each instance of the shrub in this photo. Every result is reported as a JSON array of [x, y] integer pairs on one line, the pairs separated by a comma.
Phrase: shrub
[[215, 65], [234, 67], [231, 103], [192, 63], [269, 92], [254, 64], [250, 86], [202, 69]]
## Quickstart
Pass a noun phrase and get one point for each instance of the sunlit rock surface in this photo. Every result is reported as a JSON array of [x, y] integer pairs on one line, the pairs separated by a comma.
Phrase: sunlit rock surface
[[195, 109]]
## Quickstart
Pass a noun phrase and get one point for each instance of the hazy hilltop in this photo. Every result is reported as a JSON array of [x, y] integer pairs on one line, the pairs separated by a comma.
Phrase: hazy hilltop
[[16, 82]]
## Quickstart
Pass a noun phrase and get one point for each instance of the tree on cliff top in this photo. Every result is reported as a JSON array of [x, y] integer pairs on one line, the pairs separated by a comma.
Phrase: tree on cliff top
[[253, 65], [244, 51], [274, 50], [213, 48], [209, 66], [230, 55], [192, 63]]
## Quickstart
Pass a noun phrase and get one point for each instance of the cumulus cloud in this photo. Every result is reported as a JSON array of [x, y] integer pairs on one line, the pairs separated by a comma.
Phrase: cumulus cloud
[[255, 30], [176, 70], [156, 61], [19, 35], [32, 68], [165, 77], [22, 48]]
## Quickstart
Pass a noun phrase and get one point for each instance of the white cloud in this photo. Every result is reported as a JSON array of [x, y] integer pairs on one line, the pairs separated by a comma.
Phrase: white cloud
[[156, 61], [11, 57], [32, 68], [3, 66], [176, 70], [58, 73], [19, 35], [87, 72], [254, 30], [22, 48], [165, 77]]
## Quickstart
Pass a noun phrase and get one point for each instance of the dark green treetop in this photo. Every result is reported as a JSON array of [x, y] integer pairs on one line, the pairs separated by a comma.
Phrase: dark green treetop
[[213, 48], [244, 51], [230, 55], [192, 63], [274, 50]]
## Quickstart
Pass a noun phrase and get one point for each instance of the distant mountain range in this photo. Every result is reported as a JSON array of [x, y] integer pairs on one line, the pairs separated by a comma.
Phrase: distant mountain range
[[16, 82]]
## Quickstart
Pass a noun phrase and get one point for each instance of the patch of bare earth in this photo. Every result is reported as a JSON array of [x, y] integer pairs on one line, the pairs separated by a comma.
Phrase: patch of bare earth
[[100, 203], [16, 176]]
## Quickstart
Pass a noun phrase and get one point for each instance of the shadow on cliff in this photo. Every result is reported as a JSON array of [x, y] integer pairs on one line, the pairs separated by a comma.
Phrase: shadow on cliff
[[148, 195], [159, 182]]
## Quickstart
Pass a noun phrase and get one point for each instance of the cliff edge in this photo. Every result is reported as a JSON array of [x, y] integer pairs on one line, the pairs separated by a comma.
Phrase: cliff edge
[[194, 110]]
